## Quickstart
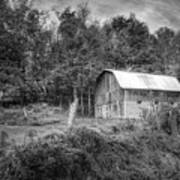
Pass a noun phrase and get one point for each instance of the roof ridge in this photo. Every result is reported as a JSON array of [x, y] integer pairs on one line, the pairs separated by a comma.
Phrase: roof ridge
[[135, 72]]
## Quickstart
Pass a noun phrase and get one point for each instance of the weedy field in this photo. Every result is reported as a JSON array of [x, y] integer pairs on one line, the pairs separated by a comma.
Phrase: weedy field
[[92, 149], [43, 120]]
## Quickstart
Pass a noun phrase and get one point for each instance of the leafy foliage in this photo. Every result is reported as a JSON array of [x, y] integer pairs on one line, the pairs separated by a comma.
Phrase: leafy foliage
[[38, 65]]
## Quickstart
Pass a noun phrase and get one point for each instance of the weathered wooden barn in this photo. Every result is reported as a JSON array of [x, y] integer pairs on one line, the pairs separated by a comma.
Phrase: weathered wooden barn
[[121, 94]]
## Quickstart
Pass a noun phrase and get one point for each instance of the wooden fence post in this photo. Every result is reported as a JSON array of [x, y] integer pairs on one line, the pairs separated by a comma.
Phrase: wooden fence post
[[173, 122]]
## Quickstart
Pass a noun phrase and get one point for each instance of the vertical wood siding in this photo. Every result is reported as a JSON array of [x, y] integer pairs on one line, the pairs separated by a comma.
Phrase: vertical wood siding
[[109, 98]]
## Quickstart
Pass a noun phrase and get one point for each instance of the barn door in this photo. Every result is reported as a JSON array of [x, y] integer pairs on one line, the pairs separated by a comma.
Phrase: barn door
[[105, 111]]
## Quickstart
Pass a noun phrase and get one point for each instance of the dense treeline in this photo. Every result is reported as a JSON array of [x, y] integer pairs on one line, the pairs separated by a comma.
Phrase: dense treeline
[[39, 65]]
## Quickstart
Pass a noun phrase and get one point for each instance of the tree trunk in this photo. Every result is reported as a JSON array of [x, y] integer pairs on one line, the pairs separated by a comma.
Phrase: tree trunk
[[73, 109], [173, 122], [89, 102], [72, 112], [3, 138], [1, 96], [74, 93], [82, 103]]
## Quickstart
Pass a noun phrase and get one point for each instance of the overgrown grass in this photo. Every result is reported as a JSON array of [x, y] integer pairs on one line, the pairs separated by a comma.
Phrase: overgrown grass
[[33, 114], [97, 150], [83, 153]]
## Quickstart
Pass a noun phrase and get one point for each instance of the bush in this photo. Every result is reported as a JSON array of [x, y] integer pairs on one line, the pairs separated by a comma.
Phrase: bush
[[83, 153], [47, 161], [162, 117]]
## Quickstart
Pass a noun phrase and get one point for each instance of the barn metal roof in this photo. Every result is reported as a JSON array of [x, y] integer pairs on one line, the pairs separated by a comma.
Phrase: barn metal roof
[[144, 81]]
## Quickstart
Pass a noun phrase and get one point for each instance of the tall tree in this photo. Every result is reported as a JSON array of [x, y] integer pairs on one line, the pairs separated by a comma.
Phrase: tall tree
[[13, 41], [164, 45]]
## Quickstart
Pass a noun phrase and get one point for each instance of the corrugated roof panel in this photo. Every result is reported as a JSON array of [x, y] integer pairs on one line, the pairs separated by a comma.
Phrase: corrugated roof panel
[[132, 80]]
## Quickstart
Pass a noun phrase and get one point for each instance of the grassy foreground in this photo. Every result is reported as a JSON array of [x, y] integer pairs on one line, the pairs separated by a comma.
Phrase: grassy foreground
[[89, 154], [41, 147]]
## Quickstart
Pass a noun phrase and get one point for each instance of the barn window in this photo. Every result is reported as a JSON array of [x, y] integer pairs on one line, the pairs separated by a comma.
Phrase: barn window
[[156, 102], [115, 107], [139, 102], [170, 100]]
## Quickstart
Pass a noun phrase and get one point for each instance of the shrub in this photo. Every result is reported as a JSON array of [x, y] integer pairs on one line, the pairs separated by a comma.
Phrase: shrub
[[43, 161], [162, 118], [83, 153]]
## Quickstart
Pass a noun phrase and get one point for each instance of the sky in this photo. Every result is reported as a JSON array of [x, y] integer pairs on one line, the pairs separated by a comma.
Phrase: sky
[[155, 13]]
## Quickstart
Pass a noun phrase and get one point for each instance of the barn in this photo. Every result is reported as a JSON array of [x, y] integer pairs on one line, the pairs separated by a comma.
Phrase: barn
[[121, 94]]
